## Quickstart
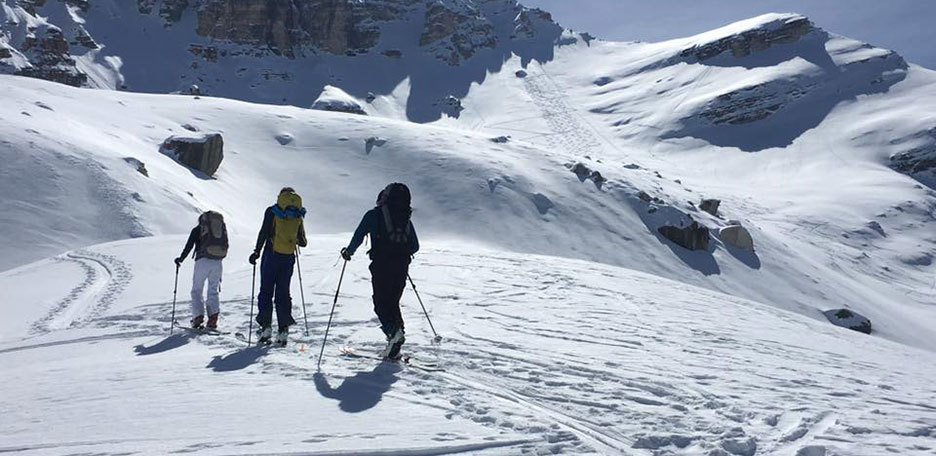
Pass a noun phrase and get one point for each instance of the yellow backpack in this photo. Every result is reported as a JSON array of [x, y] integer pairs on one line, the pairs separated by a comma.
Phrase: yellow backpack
[[287, 220]]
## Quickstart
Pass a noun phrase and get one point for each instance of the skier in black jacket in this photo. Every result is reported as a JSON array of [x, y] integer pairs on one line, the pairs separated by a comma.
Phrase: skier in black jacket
[[394, 243]]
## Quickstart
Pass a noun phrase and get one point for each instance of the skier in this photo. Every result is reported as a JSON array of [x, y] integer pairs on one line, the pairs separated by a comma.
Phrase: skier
[[394, 243], [282, 231], [210, 241]]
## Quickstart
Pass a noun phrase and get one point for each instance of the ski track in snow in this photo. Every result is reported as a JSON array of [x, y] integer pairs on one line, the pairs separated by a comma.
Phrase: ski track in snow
[[667, 376], [105, 279]]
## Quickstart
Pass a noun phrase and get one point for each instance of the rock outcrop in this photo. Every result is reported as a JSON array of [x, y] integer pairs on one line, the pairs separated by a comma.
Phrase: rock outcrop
[[454, 36], [849, 319], [337, 100], [919, 160], [737, 236], [710, 205], [692, 237], [286, 27], [785, 29], [203, 153]]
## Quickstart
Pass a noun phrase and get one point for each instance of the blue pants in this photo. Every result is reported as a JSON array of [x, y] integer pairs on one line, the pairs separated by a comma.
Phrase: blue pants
[[276, 271]]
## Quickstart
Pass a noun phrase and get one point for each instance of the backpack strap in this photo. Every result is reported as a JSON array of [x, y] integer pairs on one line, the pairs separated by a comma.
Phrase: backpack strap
[[388, 222]]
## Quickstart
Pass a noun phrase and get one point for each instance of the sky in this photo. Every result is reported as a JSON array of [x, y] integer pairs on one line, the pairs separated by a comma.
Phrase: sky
[[906, 26]]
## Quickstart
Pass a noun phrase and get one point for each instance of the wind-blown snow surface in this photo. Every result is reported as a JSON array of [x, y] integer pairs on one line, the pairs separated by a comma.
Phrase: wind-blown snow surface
[[542, 355]]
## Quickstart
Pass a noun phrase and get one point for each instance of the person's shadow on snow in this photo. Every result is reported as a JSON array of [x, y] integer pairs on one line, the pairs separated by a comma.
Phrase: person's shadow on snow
[[362, 391], [172, 342], [236, 360]]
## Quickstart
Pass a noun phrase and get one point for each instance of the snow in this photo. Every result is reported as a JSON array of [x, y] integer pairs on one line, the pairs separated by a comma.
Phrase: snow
[[570, 326], [541, 354]]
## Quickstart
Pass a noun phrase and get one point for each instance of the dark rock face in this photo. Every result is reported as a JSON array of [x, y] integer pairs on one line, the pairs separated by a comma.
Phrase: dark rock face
[[453, 36], [203, 153], [849, 319], [710, 206], [749, 41], [692, 237], [286, 26], [919, 161], [47, 51]]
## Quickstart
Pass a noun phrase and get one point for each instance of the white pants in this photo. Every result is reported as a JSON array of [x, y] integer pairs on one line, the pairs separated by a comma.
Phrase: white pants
[[210, 271]]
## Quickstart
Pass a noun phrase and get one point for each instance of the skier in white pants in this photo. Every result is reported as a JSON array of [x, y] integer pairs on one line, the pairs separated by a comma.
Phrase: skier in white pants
[[209, 239]]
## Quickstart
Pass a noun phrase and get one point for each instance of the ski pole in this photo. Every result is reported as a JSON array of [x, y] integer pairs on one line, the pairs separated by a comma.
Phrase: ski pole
[[175, 290], [253, 285], [437, 337], [330, 315], [302, 293]]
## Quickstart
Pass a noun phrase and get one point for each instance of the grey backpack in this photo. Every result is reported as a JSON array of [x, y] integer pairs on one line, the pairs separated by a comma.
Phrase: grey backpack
[[213, 237]]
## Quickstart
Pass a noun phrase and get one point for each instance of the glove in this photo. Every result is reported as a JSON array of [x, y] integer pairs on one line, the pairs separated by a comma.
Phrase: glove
[[178, 261], [345, 254], [253, 258]]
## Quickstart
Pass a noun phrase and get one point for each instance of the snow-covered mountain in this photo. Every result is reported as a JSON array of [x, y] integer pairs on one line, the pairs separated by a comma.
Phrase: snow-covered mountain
[[543, 163]]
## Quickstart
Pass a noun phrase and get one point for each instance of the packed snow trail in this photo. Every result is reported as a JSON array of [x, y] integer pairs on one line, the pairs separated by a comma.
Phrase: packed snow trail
[[541, 355]]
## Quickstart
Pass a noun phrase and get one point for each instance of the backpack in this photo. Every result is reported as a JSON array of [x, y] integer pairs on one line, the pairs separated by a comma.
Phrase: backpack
[[393, 240], [287, 218], [213, 237]]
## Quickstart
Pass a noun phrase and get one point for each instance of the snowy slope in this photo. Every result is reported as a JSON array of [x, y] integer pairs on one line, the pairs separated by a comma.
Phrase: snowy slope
[[541, 355]]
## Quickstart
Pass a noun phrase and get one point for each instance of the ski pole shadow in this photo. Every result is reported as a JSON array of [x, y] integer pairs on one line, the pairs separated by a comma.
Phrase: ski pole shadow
[[237, 360], [361, 392], [170, 343]]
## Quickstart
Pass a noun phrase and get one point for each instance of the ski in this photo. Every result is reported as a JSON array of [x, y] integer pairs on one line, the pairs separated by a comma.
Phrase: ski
[[405, 359], [201, 331]]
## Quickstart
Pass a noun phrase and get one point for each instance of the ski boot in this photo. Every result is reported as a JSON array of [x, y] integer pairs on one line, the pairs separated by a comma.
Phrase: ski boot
[[197, 322], [264, 335], [282, 336], [394, 344], [212, 323]]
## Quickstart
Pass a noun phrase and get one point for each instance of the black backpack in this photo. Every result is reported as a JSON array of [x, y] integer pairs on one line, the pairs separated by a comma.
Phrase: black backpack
[[393, 239], [213, 237]]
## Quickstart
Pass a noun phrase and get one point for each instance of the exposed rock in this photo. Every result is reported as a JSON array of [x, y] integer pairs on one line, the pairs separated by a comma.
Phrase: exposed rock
[[190, 127], [603, 81], [337, 100], [453, 36], [644, 196], [284, 139], [528, 22], [5, 53], [737, 236], [521, 74], [47, 51], [371, 96], [373, 141], [145, 6], [740, 447], [849, 319], [286, 26], [138, 165], [452, 106], [919, 160], [786, 29], [209, 53], [194, 90], [501, 139], [710, 206], [393, 53], [171, 10], [542, 202], [692, 237], [203, 153]]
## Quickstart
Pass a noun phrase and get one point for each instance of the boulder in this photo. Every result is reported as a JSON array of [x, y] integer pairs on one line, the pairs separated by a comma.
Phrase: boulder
[[203, 153], [337, 100], [710, 206], [849, 319], [737, 236], [692, 237], [521, 74]]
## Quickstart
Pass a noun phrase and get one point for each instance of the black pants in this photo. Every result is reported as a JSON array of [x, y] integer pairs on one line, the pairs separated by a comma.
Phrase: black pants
[[276, 271], [388, 278]]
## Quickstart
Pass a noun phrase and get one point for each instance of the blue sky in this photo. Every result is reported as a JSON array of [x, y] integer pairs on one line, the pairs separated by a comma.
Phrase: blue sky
[[906, 26]]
